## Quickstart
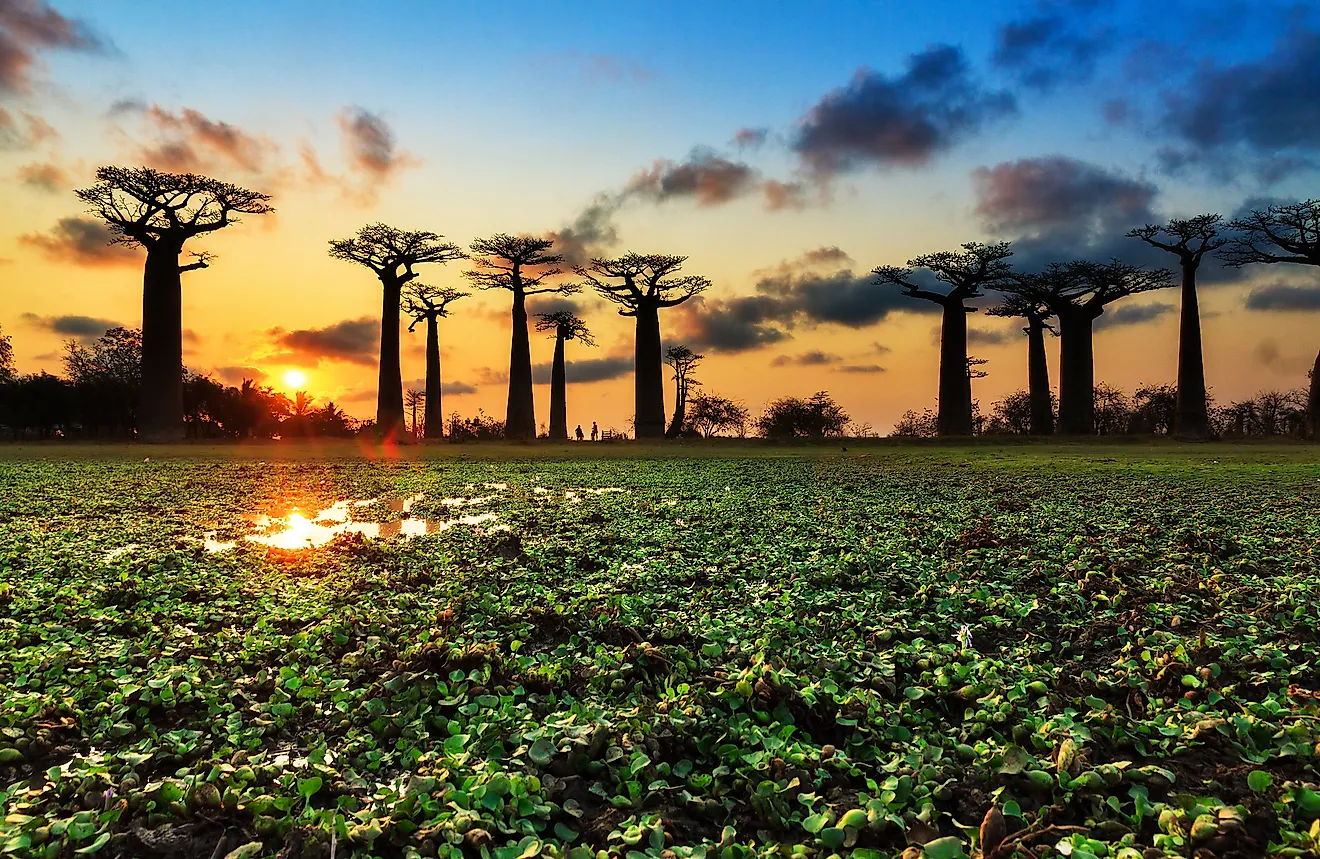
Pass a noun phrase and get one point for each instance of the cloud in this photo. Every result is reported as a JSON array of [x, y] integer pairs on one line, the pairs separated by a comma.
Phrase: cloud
[[814, 358], [1132, 314], [187, 140], [861, 368], [491, 376], [750, 138], [24, 131], [1284, 296], [588, 370], [84, 329], [456, 388], [904, 121], [234, 375], [1048, 50], [1056, 191], [356, 341], [708, 178], [989, 337], [82, 241], [45, 177], [551, 304], [607, 68], [29, 27], [732, 324], [591, 233], [1248, 113], [372, 149]]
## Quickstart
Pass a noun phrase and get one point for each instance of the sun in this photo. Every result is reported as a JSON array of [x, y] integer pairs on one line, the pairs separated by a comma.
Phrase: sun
[[295, 379]]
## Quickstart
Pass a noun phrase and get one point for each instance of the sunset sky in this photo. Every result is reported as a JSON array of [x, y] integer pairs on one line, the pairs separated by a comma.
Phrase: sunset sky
[[788, 148]]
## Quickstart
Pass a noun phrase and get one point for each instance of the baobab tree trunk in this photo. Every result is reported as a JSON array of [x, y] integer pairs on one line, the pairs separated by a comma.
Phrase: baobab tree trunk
[[954, 416], [389, 384], [1038, 380], [1190, 419], [520, 418], [1313, 402], [1076, 375], [160, 415], [649, 399], [435, 415], [680, 410], [558, 394]]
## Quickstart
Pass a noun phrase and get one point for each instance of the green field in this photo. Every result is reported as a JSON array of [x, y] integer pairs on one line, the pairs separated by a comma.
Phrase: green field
[[724, 650]]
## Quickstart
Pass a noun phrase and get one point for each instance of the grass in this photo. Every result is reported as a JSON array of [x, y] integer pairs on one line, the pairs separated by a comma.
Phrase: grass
[[752, 649]]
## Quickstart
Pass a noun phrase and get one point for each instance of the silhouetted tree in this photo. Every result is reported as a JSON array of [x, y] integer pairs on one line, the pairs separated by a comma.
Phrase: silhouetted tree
[[968, 271], [643, 284], [392, 254], [1190, 239], [38, 403], [107, 381], [792, 417], [412, 400], [7, 370], [1313, 403], [1288, 233], [160, 212], [683, 361], [710, 413], [564, 326], [1037, 315], [1077, 293], [913, 424], [521, 265], [430, 304]]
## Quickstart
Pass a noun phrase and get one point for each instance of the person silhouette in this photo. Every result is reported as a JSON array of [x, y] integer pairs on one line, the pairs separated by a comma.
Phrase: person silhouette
[[594, 431], [579, 432]]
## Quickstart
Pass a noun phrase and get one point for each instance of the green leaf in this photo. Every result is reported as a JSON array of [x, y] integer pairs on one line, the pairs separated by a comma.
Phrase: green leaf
[[948, 847], [307, 787], [1015, 761], [542, 752], [833, 837], [101, 840], [815, 823], [1259, 781]]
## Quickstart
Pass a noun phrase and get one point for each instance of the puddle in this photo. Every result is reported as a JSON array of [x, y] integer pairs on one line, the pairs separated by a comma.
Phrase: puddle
[[300, 531]]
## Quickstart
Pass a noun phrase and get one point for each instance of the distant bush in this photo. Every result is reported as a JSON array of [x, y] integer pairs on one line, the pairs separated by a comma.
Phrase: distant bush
[[482, 427], [793, 417]]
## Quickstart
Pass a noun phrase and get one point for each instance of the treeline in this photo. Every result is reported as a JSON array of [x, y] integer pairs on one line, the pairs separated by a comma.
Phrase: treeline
[[1150, 410]]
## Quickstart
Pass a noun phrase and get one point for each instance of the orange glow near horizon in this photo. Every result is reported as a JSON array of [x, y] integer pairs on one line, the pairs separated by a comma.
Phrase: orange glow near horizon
[[295, 379]]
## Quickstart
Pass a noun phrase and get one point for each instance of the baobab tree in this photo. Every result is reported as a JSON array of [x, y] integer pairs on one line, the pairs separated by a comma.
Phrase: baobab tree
[[565, 326], [412, 399], [1313, 403], [642, 285], [522, 265], [1287, 233], [976, 267], [392, 255], [683, 361], [1077, 293], [430, 304], [1037, 315], [161, 212], [1190, 239]]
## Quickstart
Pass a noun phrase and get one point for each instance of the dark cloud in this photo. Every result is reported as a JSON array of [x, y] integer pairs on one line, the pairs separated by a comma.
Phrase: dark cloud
[[24, 130], [1132, 314], [82, 241], [371, 146], [732, 324], [1251, 113], [84, 329], [491, 376], [235, 375], [356, 341], [456, 388], [1053, 190], [552, 304], [814, 358], [750, 138], [45, 177], [989, 337], [587, 370], [29, 27], [861, 368], [905, 120], [187, 140], [1284, 296], [1048, 50], [591, 233], [708, 178]]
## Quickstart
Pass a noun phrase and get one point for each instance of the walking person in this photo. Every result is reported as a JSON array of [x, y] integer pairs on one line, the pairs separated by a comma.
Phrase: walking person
[[579, 432], [595, 431]]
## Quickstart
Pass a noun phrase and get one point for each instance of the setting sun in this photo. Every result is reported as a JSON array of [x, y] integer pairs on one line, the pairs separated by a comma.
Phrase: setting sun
[[295, 379]]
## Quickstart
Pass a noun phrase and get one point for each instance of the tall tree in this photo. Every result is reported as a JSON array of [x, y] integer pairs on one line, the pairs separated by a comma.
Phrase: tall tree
[[1037, 315], [683, 361], [412, 400], [1077, 293], [976, 267], [1313, 403], [522, 265], [643, 284], [392, 255], [1189, 239], [1288, 233], [161, 212], [430, 304], [565, 326]]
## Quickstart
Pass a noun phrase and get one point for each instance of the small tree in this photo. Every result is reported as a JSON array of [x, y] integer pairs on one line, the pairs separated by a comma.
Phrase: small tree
[[162, 212], [524, 266], [642, 285], [1313, 403], [683, 361], [429, 304], [392, 255], [966, 272], [1189, 239], [565, 326], [8, 372], [710, 414], [791, 417], [413, 400], [1037, 314]]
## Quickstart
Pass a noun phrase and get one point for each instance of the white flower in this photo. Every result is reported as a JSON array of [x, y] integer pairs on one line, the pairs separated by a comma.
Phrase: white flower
[[965, 637]]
